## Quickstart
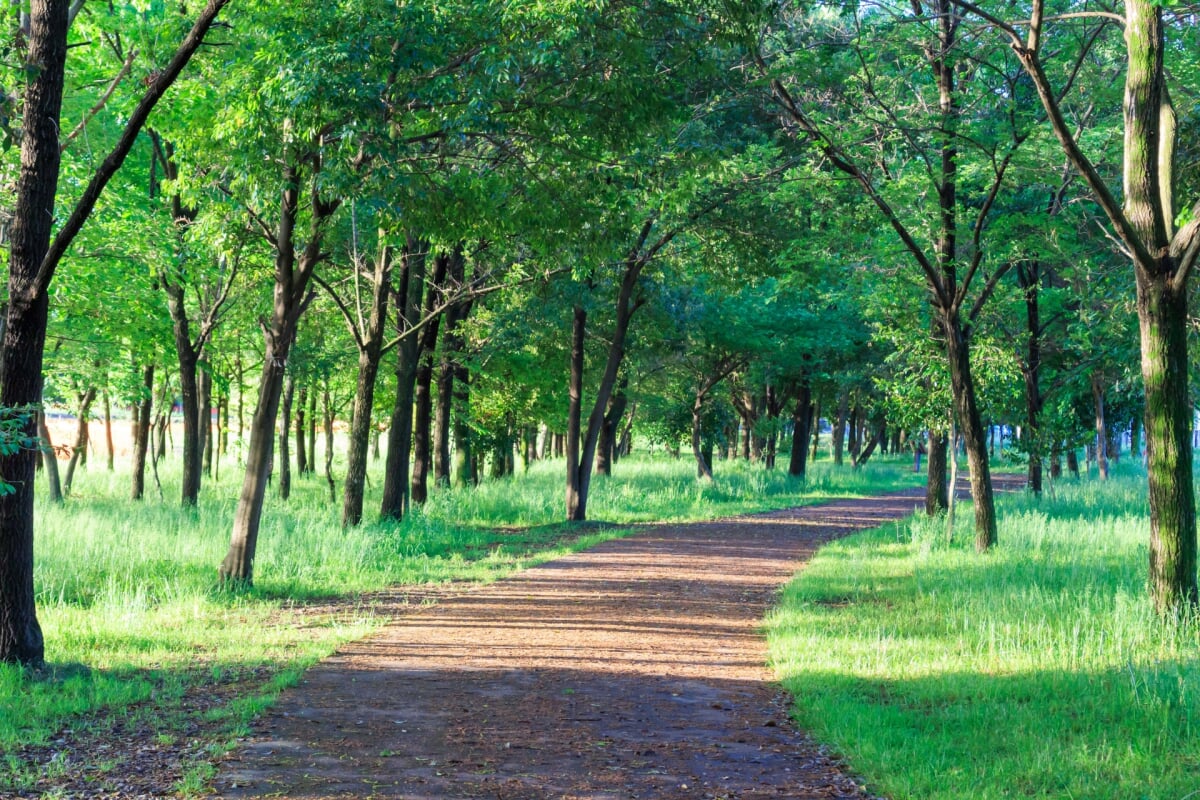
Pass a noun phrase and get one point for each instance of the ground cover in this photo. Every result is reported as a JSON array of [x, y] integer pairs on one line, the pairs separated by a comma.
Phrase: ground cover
[[1039, 670], [137, 626]]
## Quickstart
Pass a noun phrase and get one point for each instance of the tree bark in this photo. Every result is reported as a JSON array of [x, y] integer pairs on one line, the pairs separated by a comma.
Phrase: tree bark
[[839, 428], [49, 460], [407, 299], [312, 432], [1101, 425], [327, 426], [606, 450], [576, 493], [301, 431], [108, 438], [802, 417], [81, 436], [205, 420], [370, 353], [452, 344], [285, 430], [423, 387], [972, 434], [141, 438], [703, 468], [1029, 279], [937, 491]]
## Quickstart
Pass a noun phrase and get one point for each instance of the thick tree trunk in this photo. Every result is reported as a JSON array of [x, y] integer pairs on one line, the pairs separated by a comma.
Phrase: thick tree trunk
[[963, 384], [1162, 313], [189, 392], [285, 430], [82, 411], [141, 438], [407, 299], [802, 417], [1073, 461], [423, 389], [937, 490], [1101, 426]]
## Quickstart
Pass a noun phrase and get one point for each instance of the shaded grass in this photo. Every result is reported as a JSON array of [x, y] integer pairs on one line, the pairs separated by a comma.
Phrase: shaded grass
[[1038, 670], [135, 621]]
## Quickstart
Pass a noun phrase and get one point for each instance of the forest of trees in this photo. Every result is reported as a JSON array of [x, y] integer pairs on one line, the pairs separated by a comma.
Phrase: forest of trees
[[470, 234]]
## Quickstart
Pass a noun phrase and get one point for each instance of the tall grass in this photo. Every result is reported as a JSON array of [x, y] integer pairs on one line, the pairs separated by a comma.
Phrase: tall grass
[[1038, 670], [135, 620]]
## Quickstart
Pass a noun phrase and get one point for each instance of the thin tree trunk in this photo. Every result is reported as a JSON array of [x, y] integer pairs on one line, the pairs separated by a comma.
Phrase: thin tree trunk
[[49, 460], [205, 420], [81, 437], [463, 471], [839, 428], [141, 439], [301, 431], [576, 494], [108, 437], [312, 432], [327, 419], [937, 493], [703, 469], [285, 430], [1101, 426], [423, 386]]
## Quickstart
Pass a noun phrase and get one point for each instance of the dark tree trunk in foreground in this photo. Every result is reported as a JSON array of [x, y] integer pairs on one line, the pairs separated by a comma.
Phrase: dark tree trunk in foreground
[[423, 387], [406, 298], [141, 434], [82, 410], [32, 262]]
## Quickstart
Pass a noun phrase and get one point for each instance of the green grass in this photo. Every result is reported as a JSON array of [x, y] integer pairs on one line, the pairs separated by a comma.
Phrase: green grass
[[1039, 670], [136, 623]]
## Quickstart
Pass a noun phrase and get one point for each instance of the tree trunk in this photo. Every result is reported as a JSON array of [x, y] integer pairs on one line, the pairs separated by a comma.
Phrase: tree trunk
[[1073, 461], [293, 270], [370, 353], [108, 438], [301, 431], [463, 464], [423, 388], [312, 432], [141, 437], [576, 493], [285, 430], [189, 392], [407, 300], [81, 437], [937, 492], [206, 428], [606, 448], [703, 469], [1135, 438], [839, 428], [50, 460], [327, 420], [802, 417], [971, 426], [1101, 426]]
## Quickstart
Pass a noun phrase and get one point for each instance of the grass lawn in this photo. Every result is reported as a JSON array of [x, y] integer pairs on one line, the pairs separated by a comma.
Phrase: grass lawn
[[135, 621], [1038, 670]]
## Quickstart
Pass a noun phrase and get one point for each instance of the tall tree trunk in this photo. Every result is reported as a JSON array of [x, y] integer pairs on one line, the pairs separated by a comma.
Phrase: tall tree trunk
[[463, 470], [82, 410], [293, 271], [452, 344], [312, 432], [327, 419], [407, 299], [1101, 425], [141, 437], [285, 430], [816, 431], [370, 352], [1073, 461], [205, 420], [49, 460], [576, 494], [963, 384], [189, 392], [1029, 279], [423, 387], [703, 468], [1135, 438]]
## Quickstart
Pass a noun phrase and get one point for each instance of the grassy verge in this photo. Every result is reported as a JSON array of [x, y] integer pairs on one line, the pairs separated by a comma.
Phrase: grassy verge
[[136, 624], [1039, 670]]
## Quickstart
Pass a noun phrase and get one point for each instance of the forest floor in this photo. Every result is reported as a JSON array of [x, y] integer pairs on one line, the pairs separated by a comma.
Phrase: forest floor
[[635, 669]]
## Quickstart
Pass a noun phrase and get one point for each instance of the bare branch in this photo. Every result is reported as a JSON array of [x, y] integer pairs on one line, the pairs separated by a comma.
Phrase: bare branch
[[104, 98]]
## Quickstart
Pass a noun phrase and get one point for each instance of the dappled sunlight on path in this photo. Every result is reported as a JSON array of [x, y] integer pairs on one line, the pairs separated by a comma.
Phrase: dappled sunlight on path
[[632, 670]]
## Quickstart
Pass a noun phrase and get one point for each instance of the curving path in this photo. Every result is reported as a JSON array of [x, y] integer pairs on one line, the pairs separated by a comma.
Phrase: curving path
[[632, 670]]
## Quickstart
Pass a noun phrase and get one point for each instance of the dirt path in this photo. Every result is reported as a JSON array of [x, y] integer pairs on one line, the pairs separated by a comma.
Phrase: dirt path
[[632, 670]]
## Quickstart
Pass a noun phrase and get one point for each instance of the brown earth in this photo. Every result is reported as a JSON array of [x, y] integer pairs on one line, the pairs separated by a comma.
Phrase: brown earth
[[632, 670]]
